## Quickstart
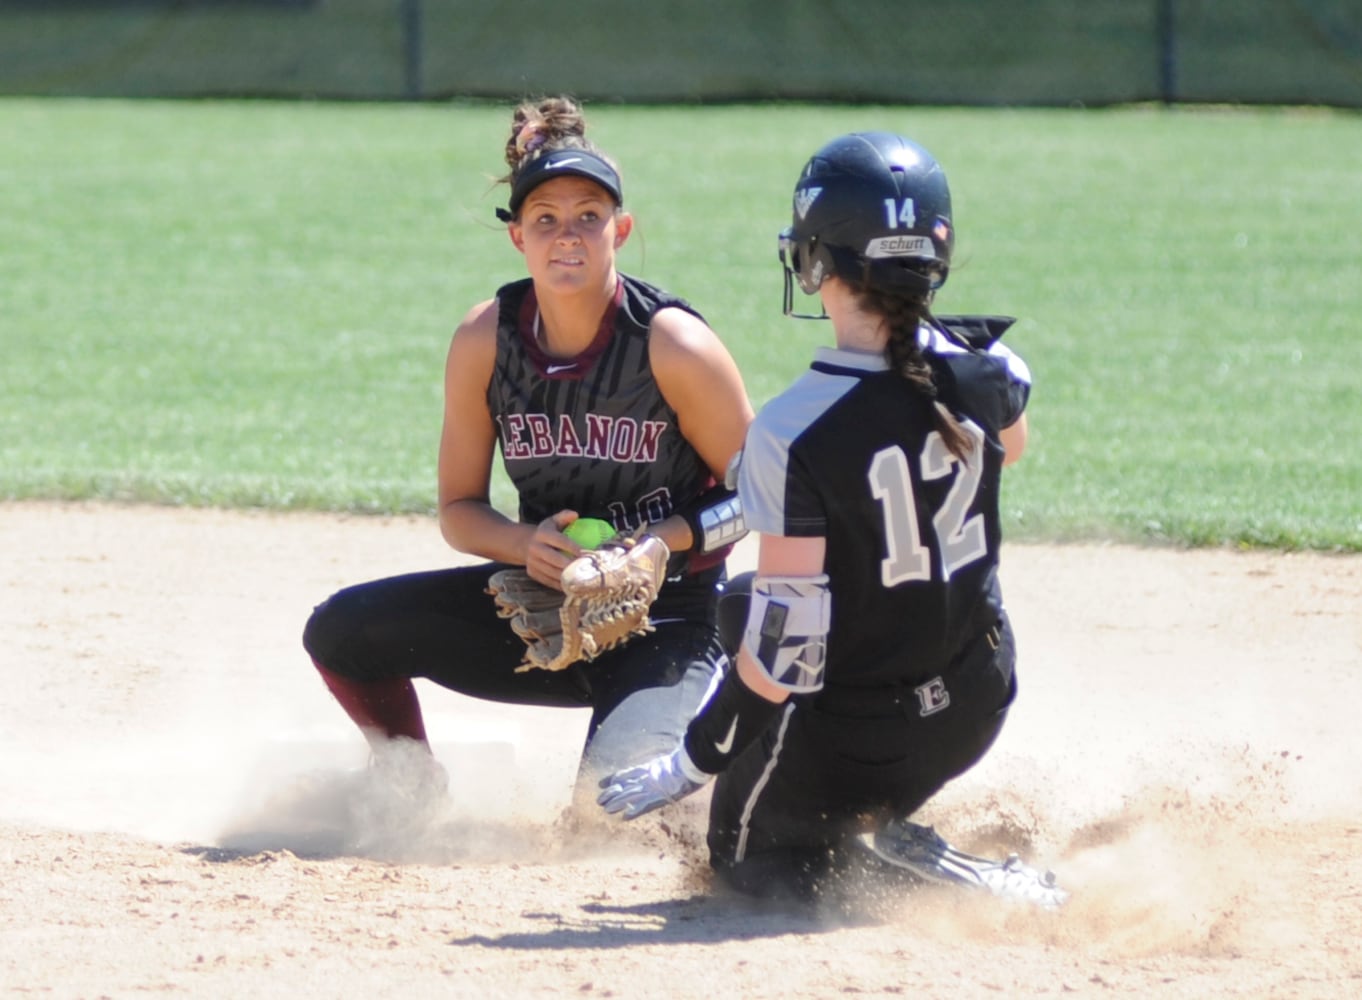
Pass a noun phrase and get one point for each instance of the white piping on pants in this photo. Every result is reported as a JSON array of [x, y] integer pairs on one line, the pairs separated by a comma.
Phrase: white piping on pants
[[751, 803]]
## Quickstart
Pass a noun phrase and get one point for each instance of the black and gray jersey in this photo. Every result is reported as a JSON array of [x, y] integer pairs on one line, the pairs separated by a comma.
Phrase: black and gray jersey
[[849, 453], [591, 433]]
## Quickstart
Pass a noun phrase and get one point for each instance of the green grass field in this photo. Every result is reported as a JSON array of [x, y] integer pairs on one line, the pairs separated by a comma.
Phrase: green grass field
[[248, 304]]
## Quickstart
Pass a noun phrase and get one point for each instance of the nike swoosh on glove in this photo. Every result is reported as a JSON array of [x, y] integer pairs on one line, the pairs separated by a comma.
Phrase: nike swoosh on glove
[[663, 780]]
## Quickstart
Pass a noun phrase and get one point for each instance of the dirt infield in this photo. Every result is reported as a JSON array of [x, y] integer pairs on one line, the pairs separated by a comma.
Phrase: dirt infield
[[179, 814]]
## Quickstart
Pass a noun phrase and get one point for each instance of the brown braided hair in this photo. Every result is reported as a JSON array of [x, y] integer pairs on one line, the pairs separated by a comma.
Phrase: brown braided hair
[[903, 313]]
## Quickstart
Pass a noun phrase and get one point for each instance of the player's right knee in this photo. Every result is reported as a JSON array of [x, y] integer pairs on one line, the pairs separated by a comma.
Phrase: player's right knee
[[776, 876], [732, 614], [319, 634]]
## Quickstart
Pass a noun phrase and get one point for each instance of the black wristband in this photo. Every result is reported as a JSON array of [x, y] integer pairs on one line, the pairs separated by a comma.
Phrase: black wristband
[[727, 724], [715, 518]]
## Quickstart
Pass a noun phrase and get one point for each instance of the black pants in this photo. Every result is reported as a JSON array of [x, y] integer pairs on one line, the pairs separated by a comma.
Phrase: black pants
[[837, 764], [443, 626]]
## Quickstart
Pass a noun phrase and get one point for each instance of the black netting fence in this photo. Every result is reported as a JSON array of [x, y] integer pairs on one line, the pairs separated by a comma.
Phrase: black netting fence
[[968, 52]]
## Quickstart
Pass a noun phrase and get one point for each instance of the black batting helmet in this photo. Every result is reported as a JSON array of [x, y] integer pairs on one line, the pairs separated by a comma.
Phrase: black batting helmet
[[874, 209]]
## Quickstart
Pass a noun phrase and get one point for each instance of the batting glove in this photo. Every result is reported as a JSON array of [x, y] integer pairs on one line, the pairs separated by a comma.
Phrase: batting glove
[[663, 780]]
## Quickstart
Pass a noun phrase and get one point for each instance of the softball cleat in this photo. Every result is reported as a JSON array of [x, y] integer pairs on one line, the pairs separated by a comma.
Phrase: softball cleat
[[922, 851]]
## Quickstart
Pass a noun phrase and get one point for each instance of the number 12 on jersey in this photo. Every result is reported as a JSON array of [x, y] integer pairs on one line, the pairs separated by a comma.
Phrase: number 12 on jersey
[[959, 538]]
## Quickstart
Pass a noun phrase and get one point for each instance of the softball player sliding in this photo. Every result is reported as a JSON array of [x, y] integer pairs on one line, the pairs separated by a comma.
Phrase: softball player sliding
[[876, 661]]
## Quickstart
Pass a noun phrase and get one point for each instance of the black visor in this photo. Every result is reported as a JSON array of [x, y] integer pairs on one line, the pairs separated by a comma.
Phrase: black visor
[[561, 162]]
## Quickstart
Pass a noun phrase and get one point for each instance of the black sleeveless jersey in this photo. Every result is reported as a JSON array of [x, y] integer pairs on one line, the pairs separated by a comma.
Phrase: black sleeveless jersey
[[590, 433], [849, 453]]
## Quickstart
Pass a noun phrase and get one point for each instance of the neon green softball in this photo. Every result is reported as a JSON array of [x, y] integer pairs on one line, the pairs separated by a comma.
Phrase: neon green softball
[[589, 532]]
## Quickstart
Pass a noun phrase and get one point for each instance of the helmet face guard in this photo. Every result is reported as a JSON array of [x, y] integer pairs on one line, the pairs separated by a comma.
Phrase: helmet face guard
[[793, 260], [874, 209]]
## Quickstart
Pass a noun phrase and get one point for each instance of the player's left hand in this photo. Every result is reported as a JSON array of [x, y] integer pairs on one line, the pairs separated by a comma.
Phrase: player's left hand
[[663, 780], [604, 601]]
